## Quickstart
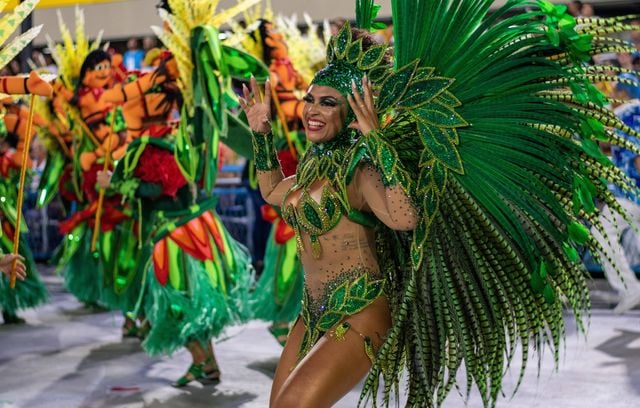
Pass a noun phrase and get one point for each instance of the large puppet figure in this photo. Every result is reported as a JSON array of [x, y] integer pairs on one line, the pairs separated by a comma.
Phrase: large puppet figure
[[439, 208], [197, 277], [76, 62], [29, 292], [92, 92]]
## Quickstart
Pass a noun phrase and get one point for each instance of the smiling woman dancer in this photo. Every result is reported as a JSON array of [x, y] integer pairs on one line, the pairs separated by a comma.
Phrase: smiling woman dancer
[[437, 219]]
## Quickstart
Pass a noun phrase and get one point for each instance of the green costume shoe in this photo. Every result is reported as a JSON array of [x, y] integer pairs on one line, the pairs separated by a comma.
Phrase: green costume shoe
[[196, 372]]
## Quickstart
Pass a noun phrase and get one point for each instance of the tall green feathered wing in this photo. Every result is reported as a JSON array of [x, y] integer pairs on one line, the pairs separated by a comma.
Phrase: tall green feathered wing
[[492, 126]]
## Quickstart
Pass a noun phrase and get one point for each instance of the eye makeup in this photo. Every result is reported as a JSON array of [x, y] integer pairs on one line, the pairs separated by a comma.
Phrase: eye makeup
[[328, 101]]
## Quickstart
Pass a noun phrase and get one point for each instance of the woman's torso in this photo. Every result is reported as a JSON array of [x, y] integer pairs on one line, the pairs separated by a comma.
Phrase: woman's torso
[[346, 250]]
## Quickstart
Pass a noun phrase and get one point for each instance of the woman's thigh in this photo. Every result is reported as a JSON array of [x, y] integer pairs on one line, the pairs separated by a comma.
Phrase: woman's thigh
[[333, 367], [288, 358]]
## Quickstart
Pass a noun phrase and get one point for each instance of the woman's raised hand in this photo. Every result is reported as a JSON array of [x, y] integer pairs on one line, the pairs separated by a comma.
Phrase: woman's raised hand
[[258, 110], [363, 107]]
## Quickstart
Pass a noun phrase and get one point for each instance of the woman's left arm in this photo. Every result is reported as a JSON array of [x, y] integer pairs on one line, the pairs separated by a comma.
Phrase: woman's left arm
[[389, 204]]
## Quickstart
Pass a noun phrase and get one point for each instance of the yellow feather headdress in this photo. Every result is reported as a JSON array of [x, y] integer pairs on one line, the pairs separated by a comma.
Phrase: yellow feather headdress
[[184, 17], [70, 55]]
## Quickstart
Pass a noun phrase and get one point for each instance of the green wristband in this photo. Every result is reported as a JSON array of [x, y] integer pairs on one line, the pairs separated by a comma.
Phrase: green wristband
[[264, 152]]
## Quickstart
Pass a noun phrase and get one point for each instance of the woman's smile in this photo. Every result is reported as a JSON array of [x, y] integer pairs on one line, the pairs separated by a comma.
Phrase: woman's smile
[[324, 113]]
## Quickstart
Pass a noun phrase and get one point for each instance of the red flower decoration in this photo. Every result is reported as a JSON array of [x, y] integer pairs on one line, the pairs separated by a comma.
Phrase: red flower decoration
[[157, 165]]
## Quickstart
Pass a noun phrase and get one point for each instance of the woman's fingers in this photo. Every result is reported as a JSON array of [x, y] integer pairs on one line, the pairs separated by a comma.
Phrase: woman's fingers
[[267, 93], [354, 106], [356, 95], [256, 90], [368, 95], [247, 95], [243, 104]]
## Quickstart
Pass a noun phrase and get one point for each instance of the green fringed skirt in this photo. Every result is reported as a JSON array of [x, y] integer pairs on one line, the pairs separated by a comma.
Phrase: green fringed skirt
[[197, 283], [79, 267], [28, 293], [121, 267]]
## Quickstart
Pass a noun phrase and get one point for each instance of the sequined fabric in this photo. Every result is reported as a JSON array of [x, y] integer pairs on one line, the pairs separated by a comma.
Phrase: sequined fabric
[[344, 295]]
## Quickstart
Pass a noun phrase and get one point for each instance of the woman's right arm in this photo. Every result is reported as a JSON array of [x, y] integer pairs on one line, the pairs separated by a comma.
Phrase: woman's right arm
[[273, 185]]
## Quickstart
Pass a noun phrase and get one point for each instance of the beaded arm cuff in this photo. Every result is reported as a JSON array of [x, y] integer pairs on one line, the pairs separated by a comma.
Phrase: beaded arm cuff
[[264, 152]]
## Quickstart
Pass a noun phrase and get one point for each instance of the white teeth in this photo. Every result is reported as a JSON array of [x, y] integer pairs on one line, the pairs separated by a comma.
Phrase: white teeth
[[315, 124]]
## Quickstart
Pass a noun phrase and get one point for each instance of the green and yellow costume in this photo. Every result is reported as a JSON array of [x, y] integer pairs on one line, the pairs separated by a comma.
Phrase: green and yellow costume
[[197, 278], [491, 126]]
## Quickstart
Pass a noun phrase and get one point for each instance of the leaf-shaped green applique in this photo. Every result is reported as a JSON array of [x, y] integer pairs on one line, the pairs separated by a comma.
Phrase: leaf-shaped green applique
[[311, 215], [439, 174], [354, 51], [361, 153], [441, 147], [426, 158], [416, 254], [394, 87], [331, 53], [330, 208], [440, 115], [338, 297], [378, 74], [342, 41], [422, 92], [372, 58], [388, 158], [452, 134], [423, 73], [373, 289], [328, 320], [420, 232], [448, 99], [354, 305], [358, 289], [431, 201], [425, 181]]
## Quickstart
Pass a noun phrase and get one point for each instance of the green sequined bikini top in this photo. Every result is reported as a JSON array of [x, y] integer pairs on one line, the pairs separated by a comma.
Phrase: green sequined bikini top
[[321, 162]]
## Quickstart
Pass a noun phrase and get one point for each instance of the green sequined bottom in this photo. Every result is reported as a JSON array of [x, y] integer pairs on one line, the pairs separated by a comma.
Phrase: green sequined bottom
[[343, 296]]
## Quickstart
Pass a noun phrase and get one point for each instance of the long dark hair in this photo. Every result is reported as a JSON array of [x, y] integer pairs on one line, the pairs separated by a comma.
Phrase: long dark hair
[[90, 62], [93, 59], [262, 31]]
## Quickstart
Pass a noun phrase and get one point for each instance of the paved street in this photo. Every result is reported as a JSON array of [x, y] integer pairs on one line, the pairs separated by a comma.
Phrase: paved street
[[66, 357]]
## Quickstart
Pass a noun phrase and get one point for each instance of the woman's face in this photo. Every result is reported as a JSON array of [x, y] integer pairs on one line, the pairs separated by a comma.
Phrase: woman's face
[[324, 113], [98, 76]]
